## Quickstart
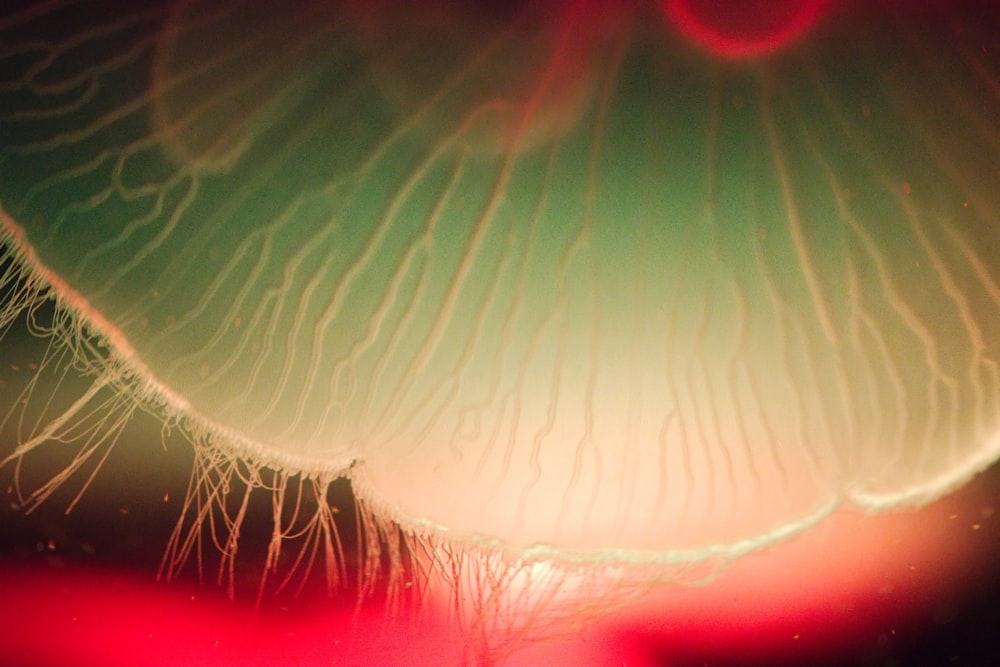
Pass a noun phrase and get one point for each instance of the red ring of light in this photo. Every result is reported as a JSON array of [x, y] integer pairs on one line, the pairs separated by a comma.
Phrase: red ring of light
[[689, 17]]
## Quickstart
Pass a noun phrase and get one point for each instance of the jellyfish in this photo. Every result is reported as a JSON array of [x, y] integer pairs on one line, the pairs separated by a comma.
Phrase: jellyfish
[[581, 297]]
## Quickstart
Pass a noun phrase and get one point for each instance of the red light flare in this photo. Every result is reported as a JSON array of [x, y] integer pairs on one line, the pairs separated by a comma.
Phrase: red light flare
[[846, 592], [743, 29]]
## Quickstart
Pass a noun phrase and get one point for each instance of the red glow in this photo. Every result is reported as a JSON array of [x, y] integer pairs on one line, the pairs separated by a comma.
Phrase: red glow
[[73, 616], [123, 619], [743, 29], [854, 584]]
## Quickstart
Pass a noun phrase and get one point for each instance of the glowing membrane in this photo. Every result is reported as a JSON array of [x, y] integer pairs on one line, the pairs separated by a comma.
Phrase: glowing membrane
[[544, 279]]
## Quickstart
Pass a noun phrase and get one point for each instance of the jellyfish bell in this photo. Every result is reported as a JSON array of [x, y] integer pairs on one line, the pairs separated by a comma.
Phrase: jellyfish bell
[[220, 80], [572, 310], [506, 76]]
